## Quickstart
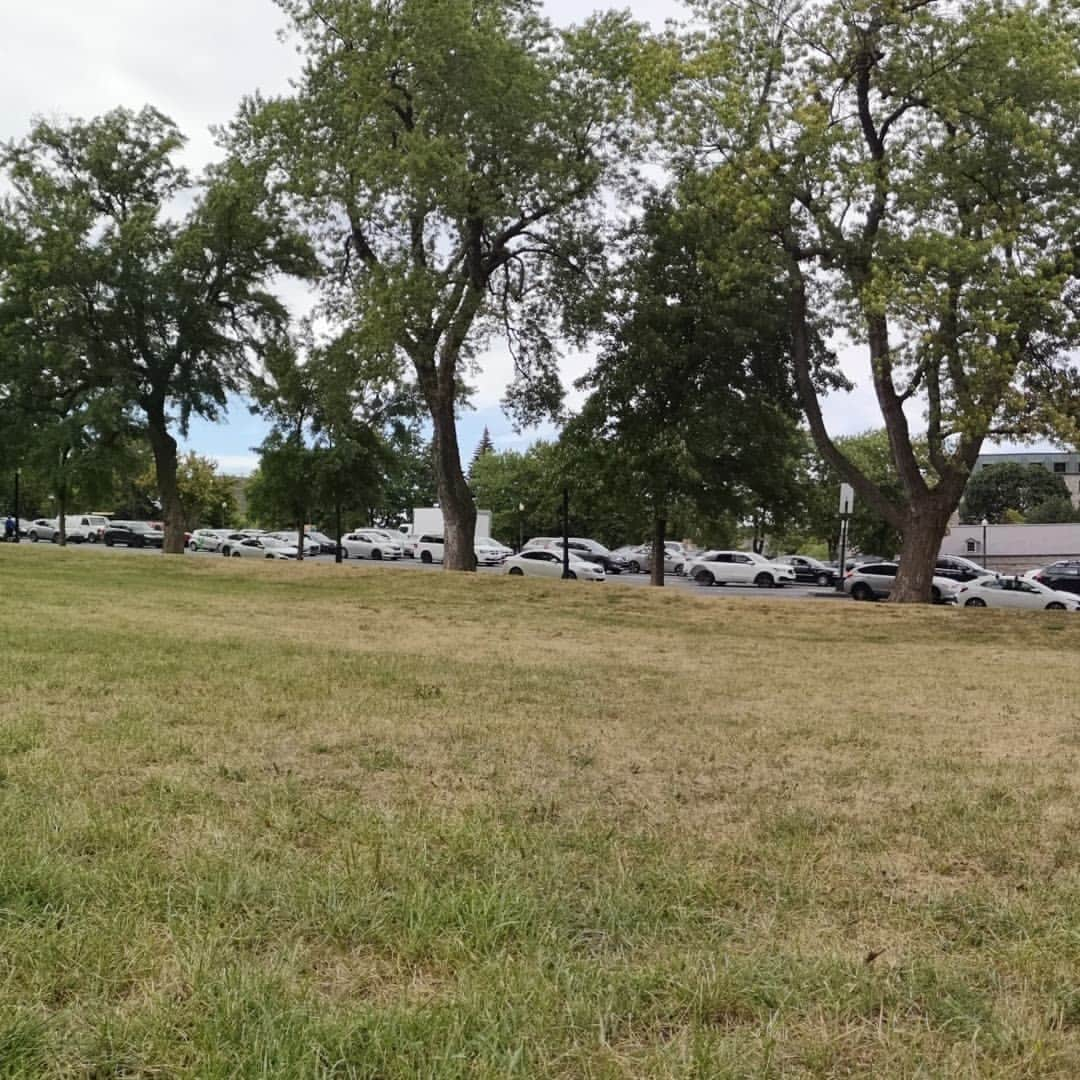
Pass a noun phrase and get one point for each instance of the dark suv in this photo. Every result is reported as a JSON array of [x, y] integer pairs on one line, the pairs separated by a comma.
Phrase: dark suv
[[1063, 576], [132, 534], [957, 568]]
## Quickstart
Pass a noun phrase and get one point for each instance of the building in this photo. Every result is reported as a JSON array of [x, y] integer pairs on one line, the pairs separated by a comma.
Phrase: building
[[1013, 548], [1064, 464]]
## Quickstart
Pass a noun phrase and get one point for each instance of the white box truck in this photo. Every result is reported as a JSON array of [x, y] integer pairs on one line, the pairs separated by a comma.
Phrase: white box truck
[[428, 521]]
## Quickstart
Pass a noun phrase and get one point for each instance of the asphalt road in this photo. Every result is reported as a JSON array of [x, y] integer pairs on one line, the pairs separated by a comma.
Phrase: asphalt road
[[678, 584]]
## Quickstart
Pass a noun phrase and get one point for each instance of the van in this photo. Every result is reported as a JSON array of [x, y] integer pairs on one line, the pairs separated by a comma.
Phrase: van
[[85, 528]]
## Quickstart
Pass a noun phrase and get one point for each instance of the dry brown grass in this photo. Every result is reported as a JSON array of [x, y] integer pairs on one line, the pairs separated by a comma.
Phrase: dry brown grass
[[273, 820]]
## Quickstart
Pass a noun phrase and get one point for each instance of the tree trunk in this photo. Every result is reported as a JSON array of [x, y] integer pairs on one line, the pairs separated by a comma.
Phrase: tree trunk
[[165, 464], [659, 536], [923, 532], [455, 498]]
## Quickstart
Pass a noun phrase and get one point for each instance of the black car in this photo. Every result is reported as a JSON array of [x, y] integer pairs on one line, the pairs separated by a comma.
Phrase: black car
[[1063, 576], [957, 568], [809, 569], [132, 534], [612, 564]]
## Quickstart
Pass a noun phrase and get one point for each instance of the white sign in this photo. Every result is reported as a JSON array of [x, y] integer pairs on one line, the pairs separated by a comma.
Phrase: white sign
[[847, 499]]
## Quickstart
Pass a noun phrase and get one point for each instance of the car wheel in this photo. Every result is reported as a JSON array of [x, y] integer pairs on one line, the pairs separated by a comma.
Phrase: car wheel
[[935, 595], [55, 538], [1055, 605], [679, 570], [571, 576], [517, 571], [862, 591], [703, 577], [236, 554], [824, 580], [764, 581], [975, 601], [376, 554], [425, 557], [634, 567], [192, 546], [33, 538], [109, 543]]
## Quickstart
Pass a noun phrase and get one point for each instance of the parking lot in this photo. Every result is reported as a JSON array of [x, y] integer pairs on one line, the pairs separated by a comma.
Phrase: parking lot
[[679, 584]]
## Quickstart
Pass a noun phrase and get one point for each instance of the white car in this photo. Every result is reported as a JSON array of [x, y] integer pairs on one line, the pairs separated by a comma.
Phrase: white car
[[542, 562], [262, 547], [1013, 592], [42, 529], [311, 547], [429, 548], [739, 568], [369, 545], [490, 552], [874, 581], [208, 539]]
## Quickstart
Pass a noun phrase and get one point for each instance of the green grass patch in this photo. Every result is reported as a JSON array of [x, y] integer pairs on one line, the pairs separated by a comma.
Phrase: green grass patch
[[270, 820]]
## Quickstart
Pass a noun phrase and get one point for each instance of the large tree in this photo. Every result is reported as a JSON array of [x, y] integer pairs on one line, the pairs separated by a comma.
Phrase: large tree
[[692, 400], [451, 155], [996, 489], [162, 306], [916, 164]]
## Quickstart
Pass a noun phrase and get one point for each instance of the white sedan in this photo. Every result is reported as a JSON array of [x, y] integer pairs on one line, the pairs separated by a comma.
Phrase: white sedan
[[490, 552], [1014, 592], [540, 562], [262, 547], [369, 545], [739, 568], [311, 547]]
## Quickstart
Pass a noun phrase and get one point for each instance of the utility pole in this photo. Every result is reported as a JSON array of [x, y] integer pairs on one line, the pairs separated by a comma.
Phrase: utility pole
[[18, 477]]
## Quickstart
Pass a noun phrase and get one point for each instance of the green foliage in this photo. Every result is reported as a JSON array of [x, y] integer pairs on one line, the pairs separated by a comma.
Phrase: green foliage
[[1055, 511], [915, 165], [162, 312], [485, 446], [208, 498], [996, 489], [819, 484], [691, 408], [450, 155]]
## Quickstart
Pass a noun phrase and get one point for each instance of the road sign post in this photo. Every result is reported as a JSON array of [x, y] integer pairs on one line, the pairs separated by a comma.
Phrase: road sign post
[[847, 508]]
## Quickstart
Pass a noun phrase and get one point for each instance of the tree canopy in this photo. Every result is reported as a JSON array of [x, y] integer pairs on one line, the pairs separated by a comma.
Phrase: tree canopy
[[915, 164], [451, 156]]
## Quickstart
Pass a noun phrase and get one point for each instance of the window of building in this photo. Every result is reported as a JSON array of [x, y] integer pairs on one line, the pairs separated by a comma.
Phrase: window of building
[[973, 546], [1059, 466]]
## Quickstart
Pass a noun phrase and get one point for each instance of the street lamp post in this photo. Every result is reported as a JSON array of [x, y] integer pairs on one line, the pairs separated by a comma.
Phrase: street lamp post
[[985, 525]]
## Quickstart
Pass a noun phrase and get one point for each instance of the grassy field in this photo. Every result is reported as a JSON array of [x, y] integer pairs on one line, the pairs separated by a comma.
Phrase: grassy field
[[264, 820]]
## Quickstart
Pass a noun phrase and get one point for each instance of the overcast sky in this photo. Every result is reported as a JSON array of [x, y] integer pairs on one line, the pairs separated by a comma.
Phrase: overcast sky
[[194, 60]]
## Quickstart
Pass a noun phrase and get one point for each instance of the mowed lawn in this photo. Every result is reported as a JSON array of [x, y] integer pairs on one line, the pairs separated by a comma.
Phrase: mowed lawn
[[269, 820]]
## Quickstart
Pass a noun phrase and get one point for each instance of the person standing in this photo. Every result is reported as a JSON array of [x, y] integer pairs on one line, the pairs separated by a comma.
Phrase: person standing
[[9, 528]]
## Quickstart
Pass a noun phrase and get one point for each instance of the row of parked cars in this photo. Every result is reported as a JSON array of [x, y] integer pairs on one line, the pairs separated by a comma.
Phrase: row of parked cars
[[964, 583]]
